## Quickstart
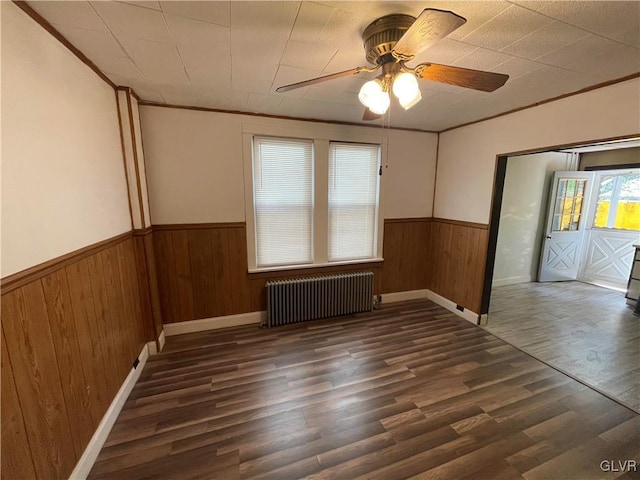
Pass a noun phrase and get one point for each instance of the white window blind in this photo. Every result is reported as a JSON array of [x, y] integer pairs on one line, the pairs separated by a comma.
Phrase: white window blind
[[353, 200], [283, 201]]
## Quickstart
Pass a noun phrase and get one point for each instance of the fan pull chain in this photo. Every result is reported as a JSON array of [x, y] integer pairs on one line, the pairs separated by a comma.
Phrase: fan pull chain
[[382, 140]]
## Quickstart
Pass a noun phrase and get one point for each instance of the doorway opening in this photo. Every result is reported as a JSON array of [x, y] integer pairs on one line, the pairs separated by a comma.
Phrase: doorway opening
[[584, 330]]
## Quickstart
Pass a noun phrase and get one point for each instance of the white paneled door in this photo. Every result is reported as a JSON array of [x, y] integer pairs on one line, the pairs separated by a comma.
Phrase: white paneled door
[[565, 227], [608, 257]]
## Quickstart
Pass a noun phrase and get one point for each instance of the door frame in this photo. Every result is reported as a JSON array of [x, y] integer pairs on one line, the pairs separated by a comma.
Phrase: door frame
[[500, 172]]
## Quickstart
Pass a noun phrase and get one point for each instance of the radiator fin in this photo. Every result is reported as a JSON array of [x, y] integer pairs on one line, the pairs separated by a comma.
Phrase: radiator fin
[[321, 296]]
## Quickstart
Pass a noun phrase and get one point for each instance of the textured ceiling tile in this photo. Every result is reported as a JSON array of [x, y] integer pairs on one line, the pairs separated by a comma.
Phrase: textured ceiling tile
[[75, 14], [202, 56], [333, 95], [310, 22], [218, 12], [551, 37], [506, 28], [204, 68], [122, 65], [94, 43], [251, 47], [147, 93], [616, 58], [267, 17], [118, 79], [516, 67], [306, 55], [186, 31], [617, 20], [446, 51], [152, 4], [158, 61], [252, 77], [482, 59], [322, 110], [262, 103], [133, 21], [345, 60], [227, 99], [477, 13], [286, 75], [191, 59], [586, 47], [341, 31]]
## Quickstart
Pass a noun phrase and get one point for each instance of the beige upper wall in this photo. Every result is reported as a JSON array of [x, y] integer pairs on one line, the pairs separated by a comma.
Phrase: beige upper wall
[[195, 163], [467, 155], [63, 184]]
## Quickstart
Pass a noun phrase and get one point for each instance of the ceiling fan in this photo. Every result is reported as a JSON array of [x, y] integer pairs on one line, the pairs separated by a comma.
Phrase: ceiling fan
[[393, 40]]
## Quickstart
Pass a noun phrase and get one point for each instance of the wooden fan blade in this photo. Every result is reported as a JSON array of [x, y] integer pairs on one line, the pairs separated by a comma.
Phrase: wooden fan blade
[[313, 81], [462, 77], [369, 115], [431, 26]]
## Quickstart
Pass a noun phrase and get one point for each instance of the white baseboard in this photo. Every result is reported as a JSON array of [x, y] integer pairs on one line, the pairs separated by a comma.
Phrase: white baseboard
[[449, 305], [204, 324], [503, 282], [88, 458], [153, 345], [402, 296]]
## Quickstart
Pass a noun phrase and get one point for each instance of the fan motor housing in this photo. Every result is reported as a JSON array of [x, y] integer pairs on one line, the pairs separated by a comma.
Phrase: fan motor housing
[[381, 35]]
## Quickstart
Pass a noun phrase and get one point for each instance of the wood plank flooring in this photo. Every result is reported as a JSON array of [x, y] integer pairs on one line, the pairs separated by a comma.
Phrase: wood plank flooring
[[407, 391], [586, 331]]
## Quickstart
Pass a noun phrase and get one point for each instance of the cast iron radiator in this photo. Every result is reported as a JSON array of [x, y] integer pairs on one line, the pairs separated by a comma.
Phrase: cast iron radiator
[[311, 298]]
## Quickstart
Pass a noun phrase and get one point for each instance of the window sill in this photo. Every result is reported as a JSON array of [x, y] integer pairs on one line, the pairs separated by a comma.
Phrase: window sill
[[310, 266]]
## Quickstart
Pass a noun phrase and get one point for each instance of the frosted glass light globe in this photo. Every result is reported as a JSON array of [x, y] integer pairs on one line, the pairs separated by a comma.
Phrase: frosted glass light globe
[[405, 87], [407, 103], [369, 92], [380, 103]]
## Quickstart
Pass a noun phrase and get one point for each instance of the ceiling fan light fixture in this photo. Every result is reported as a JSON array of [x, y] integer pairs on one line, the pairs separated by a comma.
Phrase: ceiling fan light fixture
[[406, 89], [380, 104], [373, 96], [409, 102]]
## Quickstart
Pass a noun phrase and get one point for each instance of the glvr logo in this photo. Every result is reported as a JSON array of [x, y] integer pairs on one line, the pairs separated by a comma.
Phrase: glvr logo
[[618, 466]]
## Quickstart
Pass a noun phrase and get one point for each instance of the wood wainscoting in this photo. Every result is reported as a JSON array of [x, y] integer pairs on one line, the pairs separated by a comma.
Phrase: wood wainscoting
[[202, 268], [71, 329], [458, 254]]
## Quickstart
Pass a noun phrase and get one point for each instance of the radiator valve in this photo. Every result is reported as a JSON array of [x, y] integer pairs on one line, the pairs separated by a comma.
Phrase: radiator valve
[[377, 300]]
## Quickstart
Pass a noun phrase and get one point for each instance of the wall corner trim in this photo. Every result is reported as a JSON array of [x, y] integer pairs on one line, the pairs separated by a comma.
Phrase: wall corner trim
[[88, 458], [214, 323], [468, 315]]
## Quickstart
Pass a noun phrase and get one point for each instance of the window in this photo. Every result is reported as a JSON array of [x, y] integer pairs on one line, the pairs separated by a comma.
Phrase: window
[[568, 208], [283, 201], [618, 203], [311, 202], [353, 200]]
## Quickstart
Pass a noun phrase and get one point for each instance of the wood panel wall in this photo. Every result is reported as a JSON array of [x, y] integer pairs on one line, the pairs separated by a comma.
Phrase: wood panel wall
[[407, 246], [458, 256], [69, 337], [202, 268]]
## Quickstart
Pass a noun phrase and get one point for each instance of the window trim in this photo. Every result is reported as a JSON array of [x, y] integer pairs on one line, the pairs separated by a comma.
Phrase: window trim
[[321, 136]]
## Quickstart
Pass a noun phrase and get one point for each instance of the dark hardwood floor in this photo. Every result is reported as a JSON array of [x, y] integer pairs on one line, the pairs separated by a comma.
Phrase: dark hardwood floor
[[407, 391]]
